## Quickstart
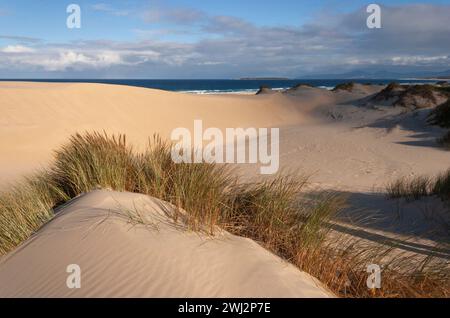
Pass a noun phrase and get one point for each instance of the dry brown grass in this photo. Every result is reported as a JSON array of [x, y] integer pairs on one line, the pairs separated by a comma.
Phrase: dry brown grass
[[441, 116], [344, 87], [444, 141], [419, 187], [277, 213]]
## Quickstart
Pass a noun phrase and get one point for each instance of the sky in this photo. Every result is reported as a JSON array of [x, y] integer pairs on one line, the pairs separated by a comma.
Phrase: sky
[[221, 39]]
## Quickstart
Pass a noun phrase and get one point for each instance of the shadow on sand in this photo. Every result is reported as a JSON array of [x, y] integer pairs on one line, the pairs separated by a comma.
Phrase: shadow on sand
[[424, 134], [421, 227]]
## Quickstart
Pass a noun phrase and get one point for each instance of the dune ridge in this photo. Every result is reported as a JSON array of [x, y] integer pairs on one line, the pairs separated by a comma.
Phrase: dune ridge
[[349, 144], [152, 257], [39, 117]]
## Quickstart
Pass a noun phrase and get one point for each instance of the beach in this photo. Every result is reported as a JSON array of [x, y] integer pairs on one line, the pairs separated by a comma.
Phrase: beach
[[322, 133], [343, 140]]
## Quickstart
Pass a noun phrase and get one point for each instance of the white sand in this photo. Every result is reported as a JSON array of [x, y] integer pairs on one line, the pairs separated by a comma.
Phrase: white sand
[[37, 117], [346, 147], [121, 259], [343, 143]]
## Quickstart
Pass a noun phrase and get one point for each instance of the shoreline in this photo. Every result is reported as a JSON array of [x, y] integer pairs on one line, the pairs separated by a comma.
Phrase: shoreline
[[221, 87], [345, 144]]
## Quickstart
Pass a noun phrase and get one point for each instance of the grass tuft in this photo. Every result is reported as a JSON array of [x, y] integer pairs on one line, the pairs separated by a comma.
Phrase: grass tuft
[[441, 185], [94, 160], [198, 188], [444, 141], [440, 116], [278, 213], [420, 187], [25, 208], [410, 189], [344, 86]]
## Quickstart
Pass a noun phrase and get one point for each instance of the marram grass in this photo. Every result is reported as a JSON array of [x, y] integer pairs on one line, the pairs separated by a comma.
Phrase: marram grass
[[278, 213], [418, 187]]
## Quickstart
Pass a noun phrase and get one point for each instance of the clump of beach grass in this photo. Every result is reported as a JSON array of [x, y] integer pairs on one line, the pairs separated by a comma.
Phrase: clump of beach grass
[[418, 187], [268, 209], [200, 188], [425, 91], [278, 213], [409, 188], [344, 86], [441, 186], [444, 141], [25, 207], [299, 227], [440, 116], [94, 160]]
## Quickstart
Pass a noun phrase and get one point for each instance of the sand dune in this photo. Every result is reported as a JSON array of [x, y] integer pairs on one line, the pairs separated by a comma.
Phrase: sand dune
[[343, 139], [119, 258], [37, 117]]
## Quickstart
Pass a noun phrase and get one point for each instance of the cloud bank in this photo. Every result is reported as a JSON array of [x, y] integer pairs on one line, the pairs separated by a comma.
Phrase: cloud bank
[[413, 37]]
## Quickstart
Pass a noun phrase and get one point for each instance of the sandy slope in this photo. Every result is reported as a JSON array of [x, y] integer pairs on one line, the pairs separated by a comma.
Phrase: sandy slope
[[327, 134], [345, 144], [37, 117], [119, 258]]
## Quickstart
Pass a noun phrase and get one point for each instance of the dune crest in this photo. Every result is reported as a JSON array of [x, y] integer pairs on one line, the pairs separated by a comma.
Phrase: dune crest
[[38, 117], [127, 246]]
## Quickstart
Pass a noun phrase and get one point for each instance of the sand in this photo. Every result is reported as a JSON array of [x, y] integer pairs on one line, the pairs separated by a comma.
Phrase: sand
[[119, 258], [37, 117], [345, 146], [342, 141]]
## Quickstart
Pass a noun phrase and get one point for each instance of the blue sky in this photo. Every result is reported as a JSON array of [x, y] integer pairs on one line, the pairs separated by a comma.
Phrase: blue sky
[[219, 39]]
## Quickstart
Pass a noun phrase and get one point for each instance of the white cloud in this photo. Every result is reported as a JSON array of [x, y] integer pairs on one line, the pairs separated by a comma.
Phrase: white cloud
[[181, 16], [53, 61], [232, 47], [80, 60], [103, 7], [406, 60], [17, 49]]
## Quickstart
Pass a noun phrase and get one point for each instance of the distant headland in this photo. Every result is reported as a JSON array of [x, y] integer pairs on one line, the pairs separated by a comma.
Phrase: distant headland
[[264, 79]]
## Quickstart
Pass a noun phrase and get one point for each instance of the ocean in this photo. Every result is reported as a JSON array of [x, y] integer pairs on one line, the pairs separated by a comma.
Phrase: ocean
[[221, 86]]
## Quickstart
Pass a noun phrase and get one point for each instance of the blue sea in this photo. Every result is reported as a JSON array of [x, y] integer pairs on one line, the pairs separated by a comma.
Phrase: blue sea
[[221, 86]]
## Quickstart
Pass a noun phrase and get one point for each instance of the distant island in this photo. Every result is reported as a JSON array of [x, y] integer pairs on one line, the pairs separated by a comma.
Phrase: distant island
[[444, 77], [264, 78]]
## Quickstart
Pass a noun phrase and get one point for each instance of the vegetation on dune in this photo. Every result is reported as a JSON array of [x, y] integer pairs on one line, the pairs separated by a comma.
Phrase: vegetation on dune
[[444, 141], [441, 186], [444, 89], [25, 208], [392, 90], [94, 160], [420, 186], [344, 86], [264, 89], [277, 213], [412, 96], [201, 189], [440, 116], [426, 91], [299, 85], [419, 96], [410, 189], [393, 86]]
